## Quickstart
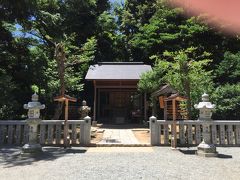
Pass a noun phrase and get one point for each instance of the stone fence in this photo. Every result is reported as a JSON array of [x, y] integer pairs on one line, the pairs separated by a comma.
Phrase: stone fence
[[189, 132], [50, 132]]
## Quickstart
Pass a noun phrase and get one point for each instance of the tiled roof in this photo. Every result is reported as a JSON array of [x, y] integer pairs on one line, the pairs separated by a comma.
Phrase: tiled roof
[[117, 71]]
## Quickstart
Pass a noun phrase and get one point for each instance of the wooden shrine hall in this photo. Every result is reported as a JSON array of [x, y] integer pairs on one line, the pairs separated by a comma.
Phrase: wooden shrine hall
[[172, 104], [116, 99]]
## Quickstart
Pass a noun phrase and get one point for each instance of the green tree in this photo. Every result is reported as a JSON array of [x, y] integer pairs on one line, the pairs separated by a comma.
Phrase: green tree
[[184, 70], [227, 100], [15, 72], [228, 70]]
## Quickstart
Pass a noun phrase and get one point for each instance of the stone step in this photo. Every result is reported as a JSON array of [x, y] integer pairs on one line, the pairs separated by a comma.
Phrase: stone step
[[121, 145]]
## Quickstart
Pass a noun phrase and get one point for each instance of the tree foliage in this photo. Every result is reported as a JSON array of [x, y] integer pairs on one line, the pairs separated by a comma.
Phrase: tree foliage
[[227, 99], [184, 70], [92, 31]]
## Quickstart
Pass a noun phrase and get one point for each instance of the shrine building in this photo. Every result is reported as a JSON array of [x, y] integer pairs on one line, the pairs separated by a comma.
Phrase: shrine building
[[116, 98]]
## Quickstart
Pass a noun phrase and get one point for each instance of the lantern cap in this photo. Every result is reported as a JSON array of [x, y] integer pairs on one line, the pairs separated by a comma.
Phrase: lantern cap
[[35, 97], [205, 97], [34, 104], [205, 104]]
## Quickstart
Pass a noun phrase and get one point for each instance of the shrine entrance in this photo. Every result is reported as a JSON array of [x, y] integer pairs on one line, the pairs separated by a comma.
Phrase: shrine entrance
[[118, 106]]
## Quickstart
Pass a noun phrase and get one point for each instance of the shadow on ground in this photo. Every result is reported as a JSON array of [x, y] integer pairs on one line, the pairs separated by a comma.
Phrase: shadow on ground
[[11, 156], [224, 156], [188, 151], [193, 152], [123, 126]]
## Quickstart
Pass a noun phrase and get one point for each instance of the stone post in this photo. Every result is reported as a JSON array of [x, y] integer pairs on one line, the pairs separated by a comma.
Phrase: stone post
[[86, 133], [33, 121], [206, 148], [154, 132]]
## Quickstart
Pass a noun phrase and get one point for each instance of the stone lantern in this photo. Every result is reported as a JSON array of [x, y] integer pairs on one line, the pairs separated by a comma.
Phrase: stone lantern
[[33, 121], [206, 148]]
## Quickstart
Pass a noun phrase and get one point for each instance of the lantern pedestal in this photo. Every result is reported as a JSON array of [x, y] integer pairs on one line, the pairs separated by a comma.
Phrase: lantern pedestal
[[32, 146], [206, 150]]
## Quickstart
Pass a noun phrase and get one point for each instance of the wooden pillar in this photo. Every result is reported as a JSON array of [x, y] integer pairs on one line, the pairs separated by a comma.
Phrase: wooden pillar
[[98, 103], [66, 123], [165, 109], [95, 101], [145, 107], [174, 127], [154, 108]]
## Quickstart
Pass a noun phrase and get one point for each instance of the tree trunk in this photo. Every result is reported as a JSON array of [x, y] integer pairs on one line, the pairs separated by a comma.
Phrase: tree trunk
[[60, 58], [58, 111], [184, 68], [188, 94]]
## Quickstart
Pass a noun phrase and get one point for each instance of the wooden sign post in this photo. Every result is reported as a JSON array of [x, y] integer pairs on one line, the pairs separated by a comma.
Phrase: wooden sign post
[[174, 112], [65, 98]]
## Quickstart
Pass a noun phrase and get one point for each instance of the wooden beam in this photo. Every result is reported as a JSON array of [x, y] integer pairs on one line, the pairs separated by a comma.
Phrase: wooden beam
[[165, 109], [66, 124], [98, 104], [112, 87], [145, 106], [95, 101], [174, 127]]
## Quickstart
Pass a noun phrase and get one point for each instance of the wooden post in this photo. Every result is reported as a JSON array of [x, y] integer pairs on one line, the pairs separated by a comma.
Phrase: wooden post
[[66, 99], [165, 109], [174, 129], [66, 124], [154, 108], [98, 104], [95, 101], [145, 107]]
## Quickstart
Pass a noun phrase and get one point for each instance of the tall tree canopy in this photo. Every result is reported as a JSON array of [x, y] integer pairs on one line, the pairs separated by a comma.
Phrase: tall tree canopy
[[91, 31]]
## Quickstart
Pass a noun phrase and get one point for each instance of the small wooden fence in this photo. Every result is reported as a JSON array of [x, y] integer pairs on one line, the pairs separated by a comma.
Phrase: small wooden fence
[[50, 132], [189, 132]]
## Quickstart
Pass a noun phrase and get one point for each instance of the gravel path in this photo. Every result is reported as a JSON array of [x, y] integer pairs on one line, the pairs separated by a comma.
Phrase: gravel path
[[119, 163]]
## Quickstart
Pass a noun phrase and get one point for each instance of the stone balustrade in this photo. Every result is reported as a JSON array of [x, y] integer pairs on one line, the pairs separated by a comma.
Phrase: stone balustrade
[[189, 132], [50, 132]]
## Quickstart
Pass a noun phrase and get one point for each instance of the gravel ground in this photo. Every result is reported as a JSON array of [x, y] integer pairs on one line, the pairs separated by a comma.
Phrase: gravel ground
[[119, 163]]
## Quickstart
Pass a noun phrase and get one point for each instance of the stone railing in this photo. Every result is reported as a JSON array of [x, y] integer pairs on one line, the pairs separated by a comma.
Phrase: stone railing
[[50, 132], [189, 132]]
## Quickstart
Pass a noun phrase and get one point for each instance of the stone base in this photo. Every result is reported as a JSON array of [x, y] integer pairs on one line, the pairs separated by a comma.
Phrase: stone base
[[206, 150], [31, 148], [94, 123]]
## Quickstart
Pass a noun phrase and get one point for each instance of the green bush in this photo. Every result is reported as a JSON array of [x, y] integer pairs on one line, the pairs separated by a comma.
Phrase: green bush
[[227, 100]]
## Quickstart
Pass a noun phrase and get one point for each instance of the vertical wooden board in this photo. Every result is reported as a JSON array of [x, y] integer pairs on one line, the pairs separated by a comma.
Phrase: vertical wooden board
[[222, 134], [10, 134], [58, 133], [230, 134], [165, 110], [42, 134], [189, 134], [50, 134], [2, 134], [18, 134], [25, 133], [214, 134], [74, 134], [166, 134], [197, 134], [181, 134], [160, 133], [237, 135]]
